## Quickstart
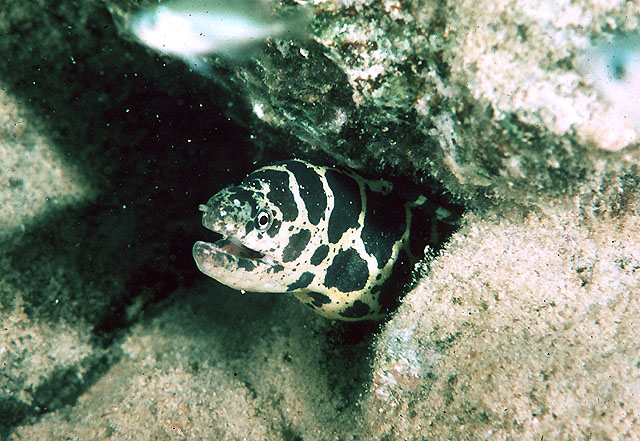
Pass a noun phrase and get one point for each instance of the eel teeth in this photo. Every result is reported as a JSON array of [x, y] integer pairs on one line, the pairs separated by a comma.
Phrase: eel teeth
[[234, 247]]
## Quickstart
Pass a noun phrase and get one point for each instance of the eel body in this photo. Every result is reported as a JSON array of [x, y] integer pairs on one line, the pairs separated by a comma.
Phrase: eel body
[[332, 238]]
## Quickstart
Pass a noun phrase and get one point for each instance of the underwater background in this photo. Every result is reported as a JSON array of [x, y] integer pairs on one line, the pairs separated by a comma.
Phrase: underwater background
[[521, 113]]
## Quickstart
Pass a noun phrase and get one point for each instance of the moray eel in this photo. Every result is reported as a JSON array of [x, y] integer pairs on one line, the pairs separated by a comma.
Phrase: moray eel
[[333, 239]]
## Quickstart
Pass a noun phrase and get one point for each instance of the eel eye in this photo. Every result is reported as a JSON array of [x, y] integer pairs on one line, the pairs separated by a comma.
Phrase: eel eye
[[263, 220]]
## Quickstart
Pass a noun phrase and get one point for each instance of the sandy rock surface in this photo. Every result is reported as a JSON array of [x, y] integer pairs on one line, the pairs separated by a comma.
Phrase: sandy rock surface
[[532, 337]]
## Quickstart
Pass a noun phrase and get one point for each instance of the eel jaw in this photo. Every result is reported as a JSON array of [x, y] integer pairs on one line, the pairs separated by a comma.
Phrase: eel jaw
[[226, 254], [234, 247]]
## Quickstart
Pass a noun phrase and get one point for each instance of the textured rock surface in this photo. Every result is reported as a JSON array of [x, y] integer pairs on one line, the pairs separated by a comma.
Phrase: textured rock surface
[[487, 97], [522, 329]]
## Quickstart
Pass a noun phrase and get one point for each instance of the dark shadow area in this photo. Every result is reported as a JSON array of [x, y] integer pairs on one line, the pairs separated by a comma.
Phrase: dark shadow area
[[12, 412], [153, 139], [155, 142], [64, 386]]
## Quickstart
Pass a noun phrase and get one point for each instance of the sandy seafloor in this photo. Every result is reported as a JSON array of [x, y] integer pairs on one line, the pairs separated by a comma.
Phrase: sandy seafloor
[[524, 328]]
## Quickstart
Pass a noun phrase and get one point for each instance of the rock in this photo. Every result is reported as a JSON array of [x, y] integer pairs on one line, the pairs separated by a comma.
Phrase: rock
[[523, 327]]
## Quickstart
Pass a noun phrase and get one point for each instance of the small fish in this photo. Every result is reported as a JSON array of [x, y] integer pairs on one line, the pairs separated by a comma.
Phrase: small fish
[[338, 242], [193, 29]]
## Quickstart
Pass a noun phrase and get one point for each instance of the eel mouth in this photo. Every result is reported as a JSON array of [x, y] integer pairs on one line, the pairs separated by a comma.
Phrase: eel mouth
[[228, 247], [234, 247]]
